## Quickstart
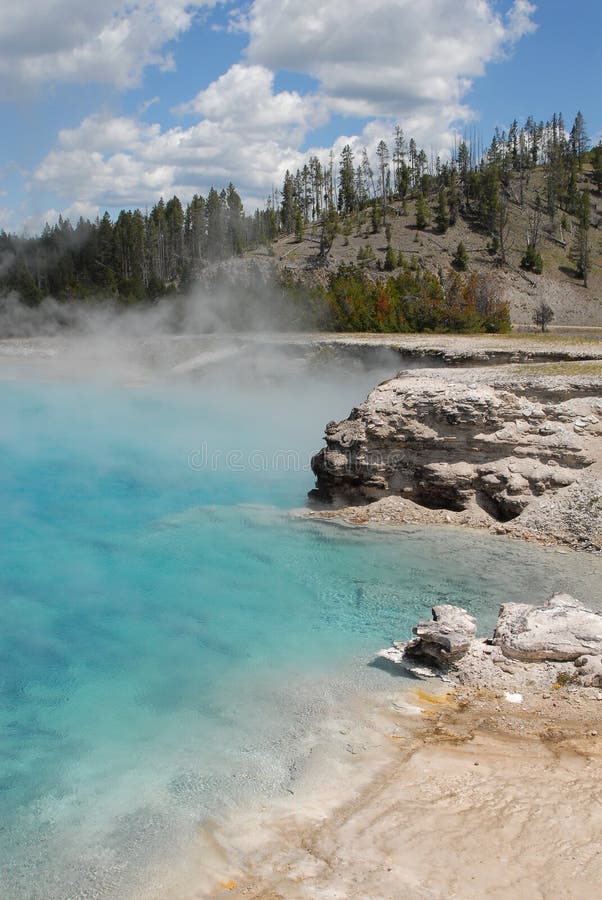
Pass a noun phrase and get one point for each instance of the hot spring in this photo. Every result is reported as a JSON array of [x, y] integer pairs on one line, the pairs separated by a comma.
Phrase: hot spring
[[169, 635]]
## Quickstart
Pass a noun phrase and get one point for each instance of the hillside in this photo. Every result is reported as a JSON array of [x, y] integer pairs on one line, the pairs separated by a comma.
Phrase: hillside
[[572, 303], [353, 245]]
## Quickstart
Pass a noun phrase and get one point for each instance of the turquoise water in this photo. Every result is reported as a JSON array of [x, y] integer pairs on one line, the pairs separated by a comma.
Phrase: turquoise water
[[168, 635]]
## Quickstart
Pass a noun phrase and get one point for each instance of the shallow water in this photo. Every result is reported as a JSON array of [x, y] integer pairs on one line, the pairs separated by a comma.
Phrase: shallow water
[[168, 635]]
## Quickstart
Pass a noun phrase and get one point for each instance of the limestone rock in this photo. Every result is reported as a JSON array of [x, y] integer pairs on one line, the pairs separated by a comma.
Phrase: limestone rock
[[561, 629]]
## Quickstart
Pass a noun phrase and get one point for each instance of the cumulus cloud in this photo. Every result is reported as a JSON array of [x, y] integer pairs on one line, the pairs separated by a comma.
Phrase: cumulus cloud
[[119, 173], [386, 57], [385, 61], [108, 41], [244, 99], [249, 133]]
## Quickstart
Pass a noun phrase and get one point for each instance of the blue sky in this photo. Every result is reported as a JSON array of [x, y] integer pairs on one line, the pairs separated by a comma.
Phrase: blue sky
[[117, 103]]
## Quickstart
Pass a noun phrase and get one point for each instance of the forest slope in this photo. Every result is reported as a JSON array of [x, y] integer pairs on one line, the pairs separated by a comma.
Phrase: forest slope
[[356, 243]]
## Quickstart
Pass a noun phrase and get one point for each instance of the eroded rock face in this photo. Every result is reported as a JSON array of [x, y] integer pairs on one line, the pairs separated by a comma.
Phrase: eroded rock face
[[561, 629], [452, 444]]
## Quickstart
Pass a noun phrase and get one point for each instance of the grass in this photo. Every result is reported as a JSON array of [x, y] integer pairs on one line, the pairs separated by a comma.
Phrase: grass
[[573, 367], [536, 336]]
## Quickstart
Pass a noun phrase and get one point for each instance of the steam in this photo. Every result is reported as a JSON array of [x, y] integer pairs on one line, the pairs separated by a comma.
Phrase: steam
[[84, 318], [235, 327], [238, 296], [7, 258]]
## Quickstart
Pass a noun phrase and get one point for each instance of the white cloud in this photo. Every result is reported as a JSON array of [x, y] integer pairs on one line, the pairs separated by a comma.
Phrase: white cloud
[[109, 41], [386, 57], [249, 134], [520, 19], [244, 100], [384, 60]]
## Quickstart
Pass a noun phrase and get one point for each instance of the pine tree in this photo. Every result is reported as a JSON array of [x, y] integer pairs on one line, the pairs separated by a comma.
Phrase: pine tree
[[347, 197], [368, 175], [382, 151], [174, 237], [580, 254], [288, 204], [194, 229], [453, 197], [328, 232], [400, 169], [390, 259], [597, 166], [103, 272], [464, 171], [215, 225], [299, 226], [375, 217], [422, 212], [316, 175], [579, 139], [532, 261], [235, 221], [442, 216], [460, 258]]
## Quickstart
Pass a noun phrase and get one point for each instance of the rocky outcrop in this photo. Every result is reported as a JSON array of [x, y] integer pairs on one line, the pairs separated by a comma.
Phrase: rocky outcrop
[[589, 669], [454, 444], [560, 630], [445, 639], [531, 645], [572, 516]]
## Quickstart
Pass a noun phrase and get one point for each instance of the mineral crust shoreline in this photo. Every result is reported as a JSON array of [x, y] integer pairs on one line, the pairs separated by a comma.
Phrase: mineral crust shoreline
[[500, 448], [485, 787]]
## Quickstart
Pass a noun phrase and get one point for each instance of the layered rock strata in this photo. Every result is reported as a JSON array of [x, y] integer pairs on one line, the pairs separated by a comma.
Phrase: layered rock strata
[[456, 445]]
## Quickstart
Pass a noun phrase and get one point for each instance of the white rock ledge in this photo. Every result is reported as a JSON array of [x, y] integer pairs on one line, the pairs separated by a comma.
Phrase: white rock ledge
[[531, 646]]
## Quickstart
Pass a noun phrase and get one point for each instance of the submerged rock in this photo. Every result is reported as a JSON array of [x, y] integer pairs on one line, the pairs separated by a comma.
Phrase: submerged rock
[[560, 630]]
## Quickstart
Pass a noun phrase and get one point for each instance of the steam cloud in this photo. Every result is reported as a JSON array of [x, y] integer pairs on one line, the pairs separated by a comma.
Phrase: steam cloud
[[232, 298]]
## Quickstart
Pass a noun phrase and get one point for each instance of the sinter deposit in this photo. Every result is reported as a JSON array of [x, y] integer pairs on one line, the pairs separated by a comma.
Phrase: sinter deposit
[[531, 644], [519, 454]]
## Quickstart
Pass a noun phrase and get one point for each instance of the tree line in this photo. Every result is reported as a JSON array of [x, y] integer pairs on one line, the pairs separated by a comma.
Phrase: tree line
[[479, 187], [141, 255]]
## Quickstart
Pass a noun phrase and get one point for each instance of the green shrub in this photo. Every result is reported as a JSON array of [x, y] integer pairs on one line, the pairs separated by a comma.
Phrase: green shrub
[[390, 259], [532, 261], [460, 258]]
